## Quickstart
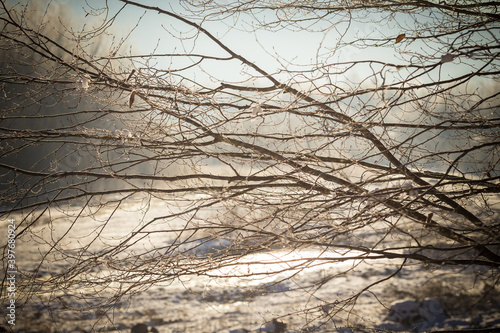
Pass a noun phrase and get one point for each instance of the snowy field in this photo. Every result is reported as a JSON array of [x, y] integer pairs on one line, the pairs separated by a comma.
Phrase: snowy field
[[308, 299]]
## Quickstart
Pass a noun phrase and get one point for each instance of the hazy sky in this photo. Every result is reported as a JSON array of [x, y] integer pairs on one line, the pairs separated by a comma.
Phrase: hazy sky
[[271, 50], [154, 34]]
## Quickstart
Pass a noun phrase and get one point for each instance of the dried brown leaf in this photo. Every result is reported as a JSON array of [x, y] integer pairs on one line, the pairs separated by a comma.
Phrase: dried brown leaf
[[400, 38], [131, 99]]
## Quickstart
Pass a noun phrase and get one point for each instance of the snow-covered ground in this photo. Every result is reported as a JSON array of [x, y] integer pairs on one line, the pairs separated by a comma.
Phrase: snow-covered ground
[[320, 296]]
